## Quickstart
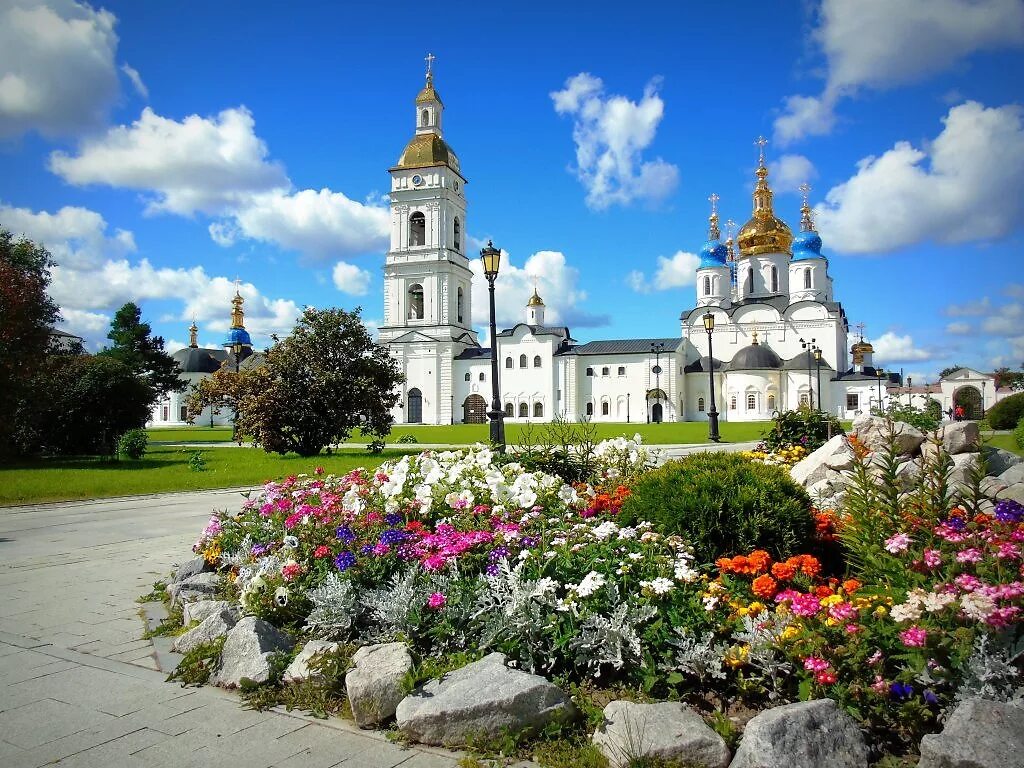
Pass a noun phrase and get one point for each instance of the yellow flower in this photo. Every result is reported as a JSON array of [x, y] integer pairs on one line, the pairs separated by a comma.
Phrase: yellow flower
[[789, 633], [880, 611], [832, 600], [755, 608], [737, 655]]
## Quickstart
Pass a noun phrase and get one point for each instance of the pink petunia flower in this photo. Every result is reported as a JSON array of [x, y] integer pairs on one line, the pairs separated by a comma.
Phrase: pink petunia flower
[[897, 543], [436, 601], [914, 637]]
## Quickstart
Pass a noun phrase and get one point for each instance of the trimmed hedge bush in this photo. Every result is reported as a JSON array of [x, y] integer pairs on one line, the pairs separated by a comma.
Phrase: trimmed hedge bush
[[1018, 433], [132, 444], [724, 504], [1007, 413], [804, 426]]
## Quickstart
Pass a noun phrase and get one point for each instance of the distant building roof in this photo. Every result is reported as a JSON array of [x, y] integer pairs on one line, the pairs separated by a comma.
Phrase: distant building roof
[[199, 359], [702, 365], [474, 353], [624, 346]]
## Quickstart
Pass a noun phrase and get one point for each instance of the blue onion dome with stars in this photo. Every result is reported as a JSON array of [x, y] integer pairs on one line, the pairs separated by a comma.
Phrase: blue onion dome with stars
[[807, 244], [714, 253]]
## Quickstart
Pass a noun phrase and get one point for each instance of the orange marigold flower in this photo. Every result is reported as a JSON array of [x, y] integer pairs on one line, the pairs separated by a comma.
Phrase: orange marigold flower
[[759, 561], [764, 586], [784, 571], [850, 586], [809, 565], [823, 591], [724, 564]]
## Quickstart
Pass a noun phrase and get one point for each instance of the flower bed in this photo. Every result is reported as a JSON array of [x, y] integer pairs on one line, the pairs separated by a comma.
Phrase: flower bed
[[453, 552]]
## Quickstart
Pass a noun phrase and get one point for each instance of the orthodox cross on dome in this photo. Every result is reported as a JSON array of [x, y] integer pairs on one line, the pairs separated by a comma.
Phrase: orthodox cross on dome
[[860, 330], [760, 143], [430, 62], [237, 315], [713, 231], [806, 222], [730, 228]]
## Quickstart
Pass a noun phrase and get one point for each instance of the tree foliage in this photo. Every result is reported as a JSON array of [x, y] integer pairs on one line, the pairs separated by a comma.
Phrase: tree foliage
[[312, 389], [26, 316], [950, 370], [1006, 378], [133, 345]]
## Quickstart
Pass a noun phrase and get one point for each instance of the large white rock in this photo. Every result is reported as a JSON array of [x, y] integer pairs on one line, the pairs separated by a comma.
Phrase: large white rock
[[247, 652], [815, 466], [193, 567], [484, 699], [960, 437], [809, 734], [213, 626], [873, 433], [1014, 474], [979, 734], [667, 730], [198, 587], [964, 465], [200, 609], [375, 685], [1013, 492], [299, 669]]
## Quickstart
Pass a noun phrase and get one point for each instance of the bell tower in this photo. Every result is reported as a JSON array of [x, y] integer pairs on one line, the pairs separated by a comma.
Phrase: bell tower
[[427, 279]]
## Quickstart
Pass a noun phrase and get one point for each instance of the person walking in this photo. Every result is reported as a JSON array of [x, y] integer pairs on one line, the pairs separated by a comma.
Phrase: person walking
[[958, 413]]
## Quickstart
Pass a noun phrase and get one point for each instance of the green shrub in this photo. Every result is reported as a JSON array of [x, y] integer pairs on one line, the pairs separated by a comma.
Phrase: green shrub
[[1018, 433], [407, 439], [925, 419], [132, 444], [196, 461], [375, 446], [804, 426], [724, 504], [1007, 412]]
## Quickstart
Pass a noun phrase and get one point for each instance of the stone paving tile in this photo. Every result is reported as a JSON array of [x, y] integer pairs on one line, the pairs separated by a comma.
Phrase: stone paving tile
[[114, 754], [424, 760], [46, 720], [88, 738], [324, 747]]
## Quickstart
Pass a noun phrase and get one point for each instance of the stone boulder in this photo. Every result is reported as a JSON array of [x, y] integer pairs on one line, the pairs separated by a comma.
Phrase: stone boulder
[[873, 433], [213, 626], [908, 474], [375, 685], [809, 734], [200, 609], [193, 567], [964, 465], [247, 652], [998, 461], [666, 730], [484, 699], [960, 437], [198, 587], [815, 466], [979, 733], [1014, 474], [1013, 492], [299, 670]]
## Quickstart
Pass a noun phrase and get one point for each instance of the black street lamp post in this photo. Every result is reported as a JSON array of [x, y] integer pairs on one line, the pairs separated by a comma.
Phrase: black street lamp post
[[657, 348], [879, 373], [809, 346], [709, 326], [817, 365], [491, 257], [627, 409]]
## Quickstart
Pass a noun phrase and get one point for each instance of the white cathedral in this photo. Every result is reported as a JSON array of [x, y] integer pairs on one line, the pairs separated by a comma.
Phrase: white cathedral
[[777, 331]]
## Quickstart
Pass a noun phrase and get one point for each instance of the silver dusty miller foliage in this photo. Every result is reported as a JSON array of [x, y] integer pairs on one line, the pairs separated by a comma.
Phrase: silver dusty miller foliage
[[991, 671], [389, 609], [700, 656], [335, 608], [508, 613], [611, 639]]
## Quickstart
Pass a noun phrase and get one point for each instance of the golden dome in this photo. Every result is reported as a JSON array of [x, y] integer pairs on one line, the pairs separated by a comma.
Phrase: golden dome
[[428, 93], [535, 300], [764, 233], [425, 150], [862, 346]]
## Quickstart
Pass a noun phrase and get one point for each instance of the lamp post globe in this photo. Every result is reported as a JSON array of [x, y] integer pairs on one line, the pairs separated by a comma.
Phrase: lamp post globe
[[491, 258], [709, 326]]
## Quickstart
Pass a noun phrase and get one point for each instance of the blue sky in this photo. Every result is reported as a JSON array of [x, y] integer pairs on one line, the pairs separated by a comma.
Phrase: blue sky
[[161, 150]]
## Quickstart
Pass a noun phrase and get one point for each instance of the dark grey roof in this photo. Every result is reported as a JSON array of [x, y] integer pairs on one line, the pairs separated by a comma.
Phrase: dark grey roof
[[199, 359], [624, 346], [867, 375], [474, 353], [805, 360], [63, 334], [253, 360], [702, 365], [538, 330], [755, 357]]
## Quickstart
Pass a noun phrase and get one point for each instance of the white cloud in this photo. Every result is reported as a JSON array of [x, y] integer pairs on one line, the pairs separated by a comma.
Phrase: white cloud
[[677, 271], [136, 80], [1007, 320], [218, 166], [57, 71], [1014, 290], [611, 132], [891, 348], [556, 282], [959, 329], [76, 237], [880, 44], [970, 308], [91, 326], [350, 279], [790, 171], [964, 187]]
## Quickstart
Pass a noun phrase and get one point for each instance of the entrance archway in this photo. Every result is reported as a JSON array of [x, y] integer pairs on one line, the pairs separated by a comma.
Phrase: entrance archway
[[474, 410], [414, 407], [657, 402], [656, 413], [968, 397]]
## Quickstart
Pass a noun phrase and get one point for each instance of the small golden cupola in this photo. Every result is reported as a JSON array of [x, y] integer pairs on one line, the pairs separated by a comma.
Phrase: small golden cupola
[[427, 148], [764, 233], [193, 335], [535, 309]]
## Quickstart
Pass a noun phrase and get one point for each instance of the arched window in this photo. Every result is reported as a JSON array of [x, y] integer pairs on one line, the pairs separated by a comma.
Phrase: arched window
[[604, 371], [483, 376], [771, 402], [467, 376], [458, 234], [775, 279], [590, 409], [524, 410], [417, 229], [707, 285], [590, 371], [807, 278], [732, 403], [622, 370], [522, 361], [425, 117], [509, 410], [414, 406], [804, 399], [460, 301], [536, 361], [751, 401], [508, 362], [749, 281], [538, 410], [604, 407], [700, 405], [415, 302]]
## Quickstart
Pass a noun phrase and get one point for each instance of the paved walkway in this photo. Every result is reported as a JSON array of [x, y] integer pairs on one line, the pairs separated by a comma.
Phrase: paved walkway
[[81, 688]]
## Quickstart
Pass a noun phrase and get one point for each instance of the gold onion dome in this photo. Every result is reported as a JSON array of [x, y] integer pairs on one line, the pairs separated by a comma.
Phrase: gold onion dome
[[764, 233], [425, 150], [535, 300]]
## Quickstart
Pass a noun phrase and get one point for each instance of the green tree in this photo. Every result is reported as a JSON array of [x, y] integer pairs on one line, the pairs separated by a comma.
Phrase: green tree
[[1006, 378], [133, 345], [950, 369], [26, 316], [316, 386]]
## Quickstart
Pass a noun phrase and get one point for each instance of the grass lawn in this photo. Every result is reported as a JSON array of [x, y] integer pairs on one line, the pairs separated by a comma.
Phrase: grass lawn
[[193, 434], [1006, 442], [163, 469]]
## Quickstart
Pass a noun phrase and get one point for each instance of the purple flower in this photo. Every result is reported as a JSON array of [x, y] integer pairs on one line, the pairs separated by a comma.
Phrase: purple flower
[[930, 697], [956, 523], [366, 549], [259, 549], [392, 537], [901, 691], [392, 519], [344, 533], [344, 561], [492, 569], [1009, 511], [498, 553]]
